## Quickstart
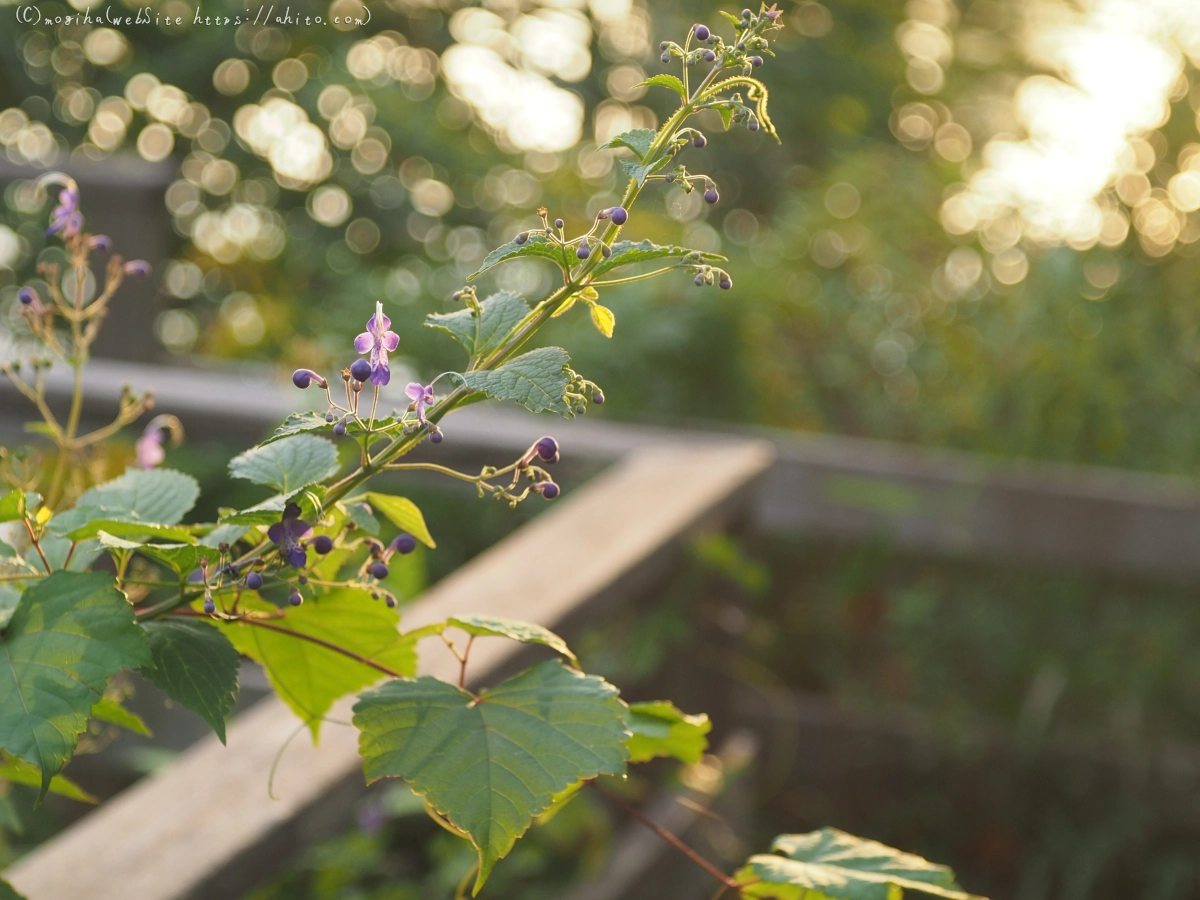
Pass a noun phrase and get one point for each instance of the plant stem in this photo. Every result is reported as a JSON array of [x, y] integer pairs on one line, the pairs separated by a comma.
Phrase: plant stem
[[259, 623], [726, 881], [462, 670], [36, 545]]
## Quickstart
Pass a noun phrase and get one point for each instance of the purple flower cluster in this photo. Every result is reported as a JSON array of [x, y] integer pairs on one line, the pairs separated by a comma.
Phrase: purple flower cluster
[[66, 217], [288, 533], [378, 340]]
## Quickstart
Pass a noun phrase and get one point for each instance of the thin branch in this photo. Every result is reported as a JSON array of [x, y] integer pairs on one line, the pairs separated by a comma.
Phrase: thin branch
[[641, 277], [259, 623], [36, 545], [726, 881], [462, 671]]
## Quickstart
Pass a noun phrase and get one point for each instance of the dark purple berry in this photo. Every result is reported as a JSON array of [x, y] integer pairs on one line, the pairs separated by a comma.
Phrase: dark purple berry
[[379, 570], [598, 398], [699, 141], [711, 196], [436, 437], [329, 417], [753, 126], [404, 543], [547, 449], [303, 579], [619, 215], [339, 429], [756, 61], [254, 581], [725, 283], [698, 281], [360, 369], [663, 45], [558, 223], [548, 489], [521, 238], [209, 606], [302, 378], [709, 56], [702, 32], [295, 599], [666, 57], [669, 177], [390, 601], [26, 296], [584, 251], [746, 14], [322, 543]]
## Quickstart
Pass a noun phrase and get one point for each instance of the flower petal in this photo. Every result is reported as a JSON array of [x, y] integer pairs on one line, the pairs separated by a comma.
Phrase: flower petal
[[275, 532], [364, 341], [391, 340], [415, 390], [381, 375]]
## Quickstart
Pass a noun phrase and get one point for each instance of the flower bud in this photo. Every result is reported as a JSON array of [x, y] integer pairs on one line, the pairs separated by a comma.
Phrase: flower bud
[[584, 251], [547, 489], [295, 598], [435, 437], [558, 223], [756, 61], [27, 296], [699, 141], [725, 283], [390, 601], [302, 378], [746, 14], [598, 398], [379, 570], [340, 429], [209, 606], [137, 267], [404, 543], [322, 543], [547, 449], [360, 369], [702, 32], [619, 215], [666, 57], [254, 581], [753, 125], [711, 196], [521, 238], [698, 281], [101, 242], [709, 56]]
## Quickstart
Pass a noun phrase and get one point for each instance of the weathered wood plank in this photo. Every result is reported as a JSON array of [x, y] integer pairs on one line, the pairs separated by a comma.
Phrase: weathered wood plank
[[199, 829]]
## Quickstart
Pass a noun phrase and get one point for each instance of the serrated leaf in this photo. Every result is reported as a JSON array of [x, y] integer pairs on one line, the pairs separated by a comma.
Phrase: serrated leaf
[[196, 666], [640, 172], [831, 865], [152, 496], [402, 513], [639, 139], [625, 253], [513, 629], [731, 17], [604, 319], [362, 518], [131, 530], [537, 380], [9, 598], [69, 634], [287, 465], [12, 506], [268, 512], [558, 801], [481, 334], [310, 677], [667, 81], [106, 709], [537, 245], [182, 558], [223, 534], [659, 728], [490, 764], [20, 772], [303, 422]]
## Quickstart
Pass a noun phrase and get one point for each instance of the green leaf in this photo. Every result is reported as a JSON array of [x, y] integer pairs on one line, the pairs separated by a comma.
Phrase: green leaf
[[12, 506], [667, 81], [491, 763], [117, 528], [223, 534], [537, 380], [7, 892], [69, 634], [360, 515], [20, 772], [183, 558], [831, 865], [626, 253], [310, 677], [269, 511], [402, 513], [660, 729], [483, 333], [106, 709], [289, 464], [152, 496], [514, 629], [633, 169], [9, 598], [10, 821], [639, 139], [299, 423], [194, 664], [539, 245], [604, 319]]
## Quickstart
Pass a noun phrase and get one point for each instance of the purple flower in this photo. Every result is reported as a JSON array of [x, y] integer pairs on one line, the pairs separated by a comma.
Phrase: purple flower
[[302, 378], [288, 532], [139, 268], [149, 447], [66, 217], [423, 396], [379, 342]]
